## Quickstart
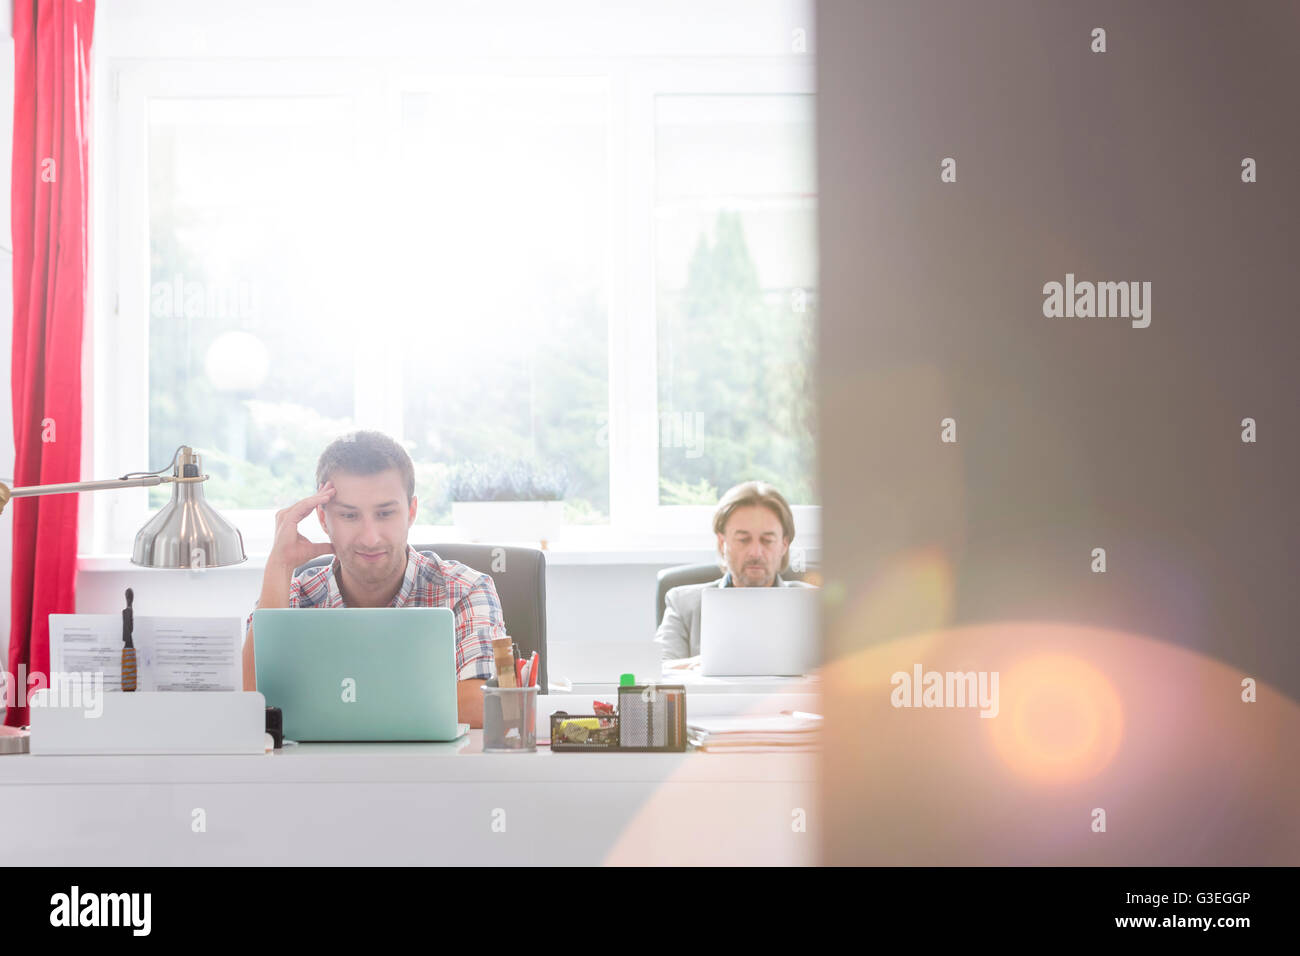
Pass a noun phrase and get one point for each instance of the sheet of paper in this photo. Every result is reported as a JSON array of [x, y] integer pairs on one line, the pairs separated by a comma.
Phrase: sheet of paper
[[191, 653], [172, 653], [693, 678], [87, 643]]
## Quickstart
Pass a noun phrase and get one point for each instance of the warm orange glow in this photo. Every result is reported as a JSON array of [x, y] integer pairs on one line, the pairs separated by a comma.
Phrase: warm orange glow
[[1061, 720], [912, 596]]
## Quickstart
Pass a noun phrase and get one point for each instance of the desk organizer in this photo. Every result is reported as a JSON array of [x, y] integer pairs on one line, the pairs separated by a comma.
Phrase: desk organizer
[[149, 722], [583, 733], [651, 718]]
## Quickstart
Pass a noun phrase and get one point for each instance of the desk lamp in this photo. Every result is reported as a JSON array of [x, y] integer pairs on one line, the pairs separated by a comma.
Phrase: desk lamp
[[187, 532]]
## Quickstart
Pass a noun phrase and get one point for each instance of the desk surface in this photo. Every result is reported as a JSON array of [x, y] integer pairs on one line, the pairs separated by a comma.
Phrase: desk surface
[[455, 761], [411, 804]]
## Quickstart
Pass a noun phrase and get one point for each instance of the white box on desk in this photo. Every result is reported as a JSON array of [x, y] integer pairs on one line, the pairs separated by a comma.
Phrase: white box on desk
[[151, 722]]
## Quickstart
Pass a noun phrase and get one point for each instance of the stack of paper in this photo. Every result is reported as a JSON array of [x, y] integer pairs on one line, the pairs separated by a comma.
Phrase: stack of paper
[[172, 653], [785, 733]]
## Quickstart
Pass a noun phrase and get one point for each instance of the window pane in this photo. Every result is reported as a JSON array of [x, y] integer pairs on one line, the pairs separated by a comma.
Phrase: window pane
[[736, 268], [503, 253], [475, 295], [253, 226]]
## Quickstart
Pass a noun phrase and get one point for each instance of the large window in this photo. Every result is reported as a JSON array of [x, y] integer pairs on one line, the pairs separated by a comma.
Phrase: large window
[[735, 225], [604, 266], [503, 256], [255, 224], [281, 288]]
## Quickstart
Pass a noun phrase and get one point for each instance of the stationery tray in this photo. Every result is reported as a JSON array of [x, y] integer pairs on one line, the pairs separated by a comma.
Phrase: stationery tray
[[583, 733]]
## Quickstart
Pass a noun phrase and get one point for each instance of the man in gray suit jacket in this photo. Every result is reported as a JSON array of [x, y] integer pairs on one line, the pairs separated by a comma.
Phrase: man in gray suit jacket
[[754, 527]]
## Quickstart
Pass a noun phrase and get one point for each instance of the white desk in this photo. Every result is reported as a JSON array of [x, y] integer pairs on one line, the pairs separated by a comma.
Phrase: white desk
[[410, 804]]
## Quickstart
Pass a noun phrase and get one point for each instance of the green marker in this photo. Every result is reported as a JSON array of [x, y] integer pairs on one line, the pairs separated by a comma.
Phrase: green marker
[[626, 680]]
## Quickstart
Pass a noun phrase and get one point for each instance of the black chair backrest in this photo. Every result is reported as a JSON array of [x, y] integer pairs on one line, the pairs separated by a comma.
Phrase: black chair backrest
[[520, 579], [670, 578]]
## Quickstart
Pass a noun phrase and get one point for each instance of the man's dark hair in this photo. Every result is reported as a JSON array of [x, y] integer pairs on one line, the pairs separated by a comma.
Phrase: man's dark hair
[[365, 453]]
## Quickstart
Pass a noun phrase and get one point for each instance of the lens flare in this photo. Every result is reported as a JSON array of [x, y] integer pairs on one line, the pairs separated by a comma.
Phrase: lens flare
[[1062, 720]]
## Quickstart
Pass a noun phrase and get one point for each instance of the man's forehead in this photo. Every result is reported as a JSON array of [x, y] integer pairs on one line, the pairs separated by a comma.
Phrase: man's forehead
[[381, 488], [753, 519]]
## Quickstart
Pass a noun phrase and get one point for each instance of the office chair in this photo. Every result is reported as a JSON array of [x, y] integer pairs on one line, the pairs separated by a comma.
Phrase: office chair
[[521, 588], [670, 578]]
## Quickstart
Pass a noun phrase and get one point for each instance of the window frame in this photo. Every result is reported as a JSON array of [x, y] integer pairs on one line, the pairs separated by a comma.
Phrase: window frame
[[118, 400]]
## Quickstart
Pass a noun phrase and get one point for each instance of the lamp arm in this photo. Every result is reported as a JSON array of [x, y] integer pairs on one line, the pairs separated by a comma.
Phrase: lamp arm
[[33, 490]]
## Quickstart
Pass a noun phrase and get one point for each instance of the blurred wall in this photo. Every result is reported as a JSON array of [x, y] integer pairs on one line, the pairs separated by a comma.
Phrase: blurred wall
[[1119, 687]]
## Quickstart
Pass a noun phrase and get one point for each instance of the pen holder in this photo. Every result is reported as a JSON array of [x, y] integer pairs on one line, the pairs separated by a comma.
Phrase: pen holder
[[652, 717], [509, 718]]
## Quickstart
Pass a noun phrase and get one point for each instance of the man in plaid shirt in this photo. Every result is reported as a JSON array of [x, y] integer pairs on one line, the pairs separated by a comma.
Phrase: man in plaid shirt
[[366, 504]]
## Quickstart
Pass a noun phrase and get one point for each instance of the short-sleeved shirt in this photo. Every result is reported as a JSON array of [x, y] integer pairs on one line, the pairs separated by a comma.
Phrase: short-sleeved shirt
[[429, 581]]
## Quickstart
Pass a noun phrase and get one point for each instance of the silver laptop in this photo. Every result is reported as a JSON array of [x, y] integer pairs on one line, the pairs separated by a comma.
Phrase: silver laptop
[[354, 673], [751, 632]]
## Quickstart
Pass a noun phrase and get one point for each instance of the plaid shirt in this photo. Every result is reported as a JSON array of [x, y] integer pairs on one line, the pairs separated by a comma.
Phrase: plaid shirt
[[429, 581]]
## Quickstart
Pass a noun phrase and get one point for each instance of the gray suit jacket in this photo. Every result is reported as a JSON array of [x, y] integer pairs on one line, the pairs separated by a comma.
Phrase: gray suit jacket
[[679, 631]]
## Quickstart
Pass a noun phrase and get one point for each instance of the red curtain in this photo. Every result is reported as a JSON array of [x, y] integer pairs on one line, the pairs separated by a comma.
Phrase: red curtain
[[50, 232]]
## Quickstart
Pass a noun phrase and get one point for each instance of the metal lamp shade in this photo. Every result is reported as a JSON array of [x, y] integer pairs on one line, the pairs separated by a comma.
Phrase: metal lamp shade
[[188, 532]]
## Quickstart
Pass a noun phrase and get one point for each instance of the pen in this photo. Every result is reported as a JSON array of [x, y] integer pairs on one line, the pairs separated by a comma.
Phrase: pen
[[800, 713], [532, 670]]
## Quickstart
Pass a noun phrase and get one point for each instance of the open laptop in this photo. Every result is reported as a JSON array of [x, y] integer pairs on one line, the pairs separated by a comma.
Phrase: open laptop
[[751, 632], [384, 673]]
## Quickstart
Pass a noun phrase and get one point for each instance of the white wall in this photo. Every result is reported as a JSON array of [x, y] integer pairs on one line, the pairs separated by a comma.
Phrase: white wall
[[583, 602], [449, 28]]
